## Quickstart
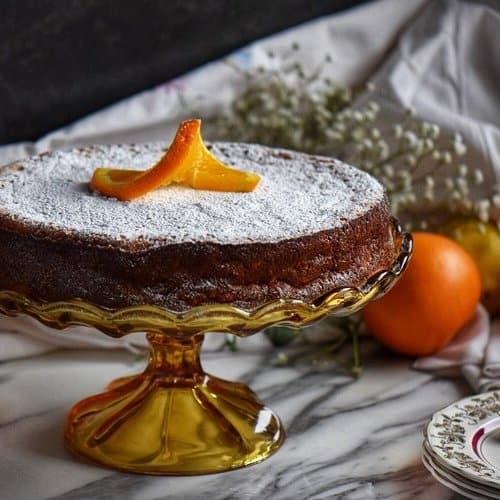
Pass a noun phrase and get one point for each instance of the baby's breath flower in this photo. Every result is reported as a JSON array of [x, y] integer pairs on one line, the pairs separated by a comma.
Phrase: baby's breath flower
[[357, 116], [389, 170], [434, 132], [370, 115], [367, 143], [463, 170], [410, 140], [458, 146], [411, 160], [478, 176], [429, 188], [383, 149], [428, 144], [425, 128], [398, 131], [462, 185], [339, 126], [483, 208], [449, 184], [447, 157], [429, 194], [484, 204], [358, 134]]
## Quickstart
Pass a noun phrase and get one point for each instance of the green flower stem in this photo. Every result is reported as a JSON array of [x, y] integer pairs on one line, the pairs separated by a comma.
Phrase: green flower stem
[[357, 367], [338, 342], [438, 165], [231, 343]]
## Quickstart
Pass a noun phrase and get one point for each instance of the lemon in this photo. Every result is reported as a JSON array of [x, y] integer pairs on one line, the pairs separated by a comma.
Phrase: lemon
[[482, 241]]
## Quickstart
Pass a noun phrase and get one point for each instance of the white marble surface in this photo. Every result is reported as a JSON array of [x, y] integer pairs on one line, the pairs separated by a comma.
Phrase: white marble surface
[[345, 439]]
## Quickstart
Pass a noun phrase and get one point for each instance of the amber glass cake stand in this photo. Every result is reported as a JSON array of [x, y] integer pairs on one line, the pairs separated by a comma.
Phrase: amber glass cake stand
[[174, 418]]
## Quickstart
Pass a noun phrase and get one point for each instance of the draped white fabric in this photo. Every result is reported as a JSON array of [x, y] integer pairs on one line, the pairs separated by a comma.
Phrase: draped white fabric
[[440, 57]]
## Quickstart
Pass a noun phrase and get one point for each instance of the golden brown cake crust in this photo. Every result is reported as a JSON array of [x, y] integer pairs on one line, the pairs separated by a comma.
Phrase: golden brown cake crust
[[51, 264], [190, 274]]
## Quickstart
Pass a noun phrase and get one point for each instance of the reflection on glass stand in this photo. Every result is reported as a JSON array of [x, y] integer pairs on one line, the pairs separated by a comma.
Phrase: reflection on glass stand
[[174, 418]]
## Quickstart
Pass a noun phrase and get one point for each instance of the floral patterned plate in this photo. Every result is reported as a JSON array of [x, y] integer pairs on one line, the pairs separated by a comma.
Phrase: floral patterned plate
[[464, 438], [469, 489], [456, 482]]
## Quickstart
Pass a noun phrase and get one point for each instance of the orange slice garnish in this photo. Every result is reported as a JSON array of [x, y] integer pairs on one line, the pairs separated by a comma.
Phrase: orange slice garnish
[[187, 161]]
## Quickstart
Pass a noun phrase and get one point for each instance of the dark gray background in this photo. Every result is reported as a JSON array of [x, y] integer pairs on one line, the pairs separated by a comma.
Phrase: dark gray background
[[61, 59]]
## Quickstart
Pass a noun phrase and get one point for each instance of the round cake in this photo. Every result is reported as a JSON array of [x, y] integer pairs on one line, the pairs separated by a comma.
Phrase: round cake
[[313, 224]]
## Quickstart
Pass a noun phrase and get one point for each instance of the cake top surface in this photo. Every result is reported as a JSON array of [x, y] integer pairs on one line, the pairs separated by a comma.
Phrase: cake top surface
[[298, 195]]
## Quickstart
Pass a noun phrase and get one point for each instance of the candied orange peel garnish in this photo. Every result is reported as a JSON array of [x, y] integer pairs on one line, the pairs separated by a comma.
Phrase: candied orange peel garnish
[[187, 161]]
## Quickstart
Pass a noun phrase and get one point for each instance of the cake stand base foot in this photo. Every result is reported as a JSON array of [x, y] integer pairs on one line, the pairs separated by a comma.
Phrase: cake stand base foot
[[173, 419]]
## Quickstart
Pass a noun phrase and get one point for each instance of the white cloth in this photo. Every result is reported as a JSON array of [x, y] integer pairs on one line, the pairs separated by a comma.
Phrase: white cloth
[[445, 66], [432, 55], [23, 336], [474, 354]]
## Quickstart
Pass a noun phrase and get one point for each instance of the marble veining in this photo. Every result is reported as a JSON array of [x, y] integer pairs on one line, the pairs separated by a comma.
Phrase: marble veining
[[345, 439]]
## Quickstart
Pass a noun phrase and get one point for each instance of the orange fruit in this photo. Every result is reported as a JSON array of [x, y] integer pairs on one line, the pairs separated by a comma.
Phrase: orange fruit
[[187, 161], [436, 295]]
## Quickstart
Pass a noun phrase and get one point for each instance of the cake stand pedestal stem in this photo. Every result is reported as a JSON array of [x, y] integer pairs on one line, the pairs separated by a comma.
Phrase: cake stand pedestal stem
[[173, 418], [180, 359]]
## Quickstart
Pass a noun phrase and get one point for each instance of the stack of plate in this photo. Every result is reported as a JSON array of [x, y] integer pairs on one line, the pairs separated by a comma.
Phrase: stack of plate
[[462, 446]]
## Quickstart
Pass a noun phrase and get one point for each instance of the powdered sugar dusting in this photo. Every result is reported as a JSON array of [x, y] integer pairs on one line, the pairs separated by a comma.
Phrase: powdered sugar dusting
[[297, 195]]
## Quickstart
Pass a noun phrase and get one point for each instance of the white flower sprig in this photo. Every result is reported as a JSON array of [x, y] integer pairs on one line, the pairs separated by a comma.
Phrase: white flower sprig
[[420, 167], [422, 172]]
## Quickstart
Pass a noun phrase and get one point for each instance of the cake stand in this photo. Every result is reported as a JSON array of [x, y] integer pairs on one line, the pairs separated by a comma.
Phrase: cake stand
[[174, 418]]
